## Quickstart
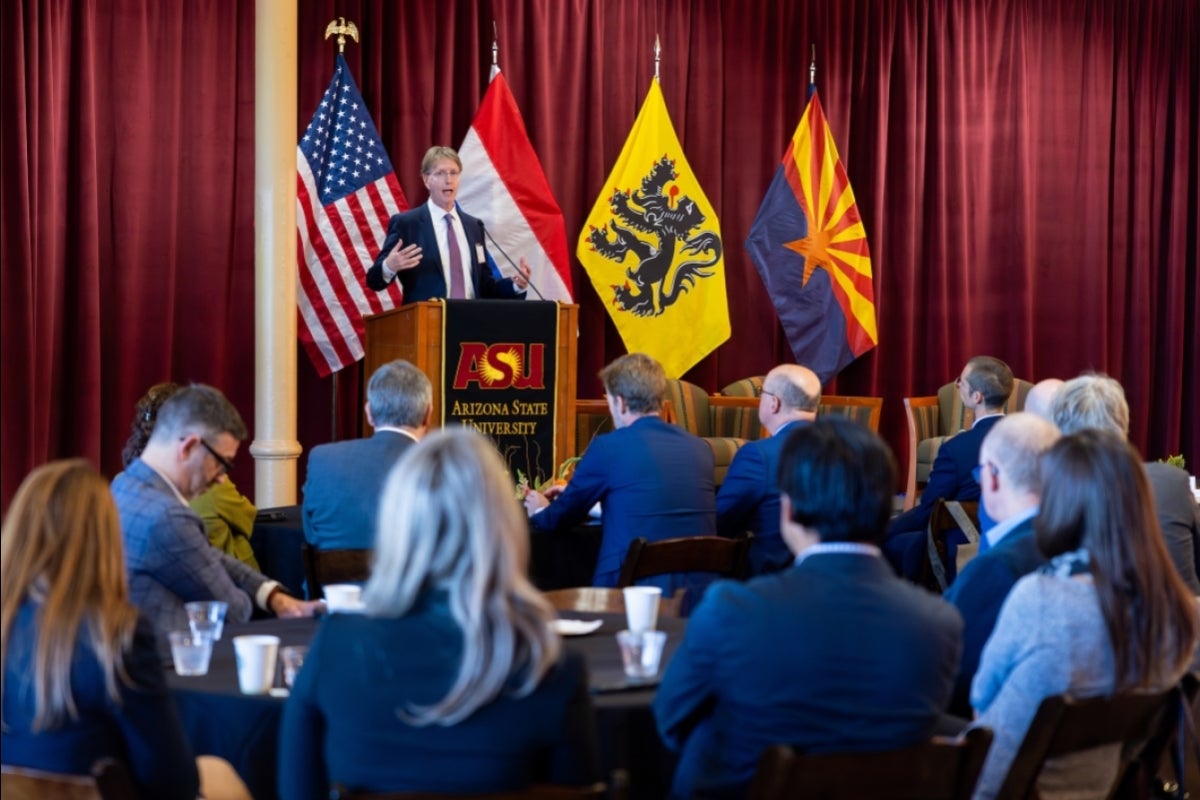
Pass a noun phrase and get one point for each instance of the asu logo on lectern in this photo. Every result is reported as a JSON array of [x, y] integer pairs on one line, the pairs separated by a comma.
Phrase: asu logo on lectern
[[508, 365]]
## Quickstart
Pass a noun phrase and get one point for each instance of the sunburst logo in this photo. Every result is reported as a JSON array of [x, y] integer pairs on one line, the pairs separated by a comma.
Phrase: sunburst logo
[[492, 374]]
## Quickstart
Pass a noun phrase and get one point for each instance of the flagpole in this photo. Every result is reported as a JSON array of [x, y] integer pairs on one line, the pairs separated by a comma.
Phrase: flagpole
[[657, 58], [343, 29]]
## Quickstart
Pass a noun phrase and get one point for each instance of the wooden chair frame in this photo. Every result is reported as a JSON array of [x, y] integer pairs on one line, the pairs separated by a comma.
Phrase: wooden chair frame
[[940, 769], [323, 567], [835, 401], [727, 557]]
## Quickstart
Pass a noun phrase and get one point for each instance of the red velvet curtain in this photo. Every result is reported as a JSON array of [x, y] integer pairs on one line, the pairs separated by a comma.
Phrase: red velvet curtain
[[1027, 170]]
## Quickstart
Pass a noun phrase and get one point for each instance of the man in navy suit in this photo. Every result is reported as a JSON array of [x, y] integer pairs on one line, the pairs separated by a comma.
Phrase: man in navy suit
[[651, 478], [833, 654], [341, 491], [1010, 488], [436, 249], [984, 387], [749, 497]]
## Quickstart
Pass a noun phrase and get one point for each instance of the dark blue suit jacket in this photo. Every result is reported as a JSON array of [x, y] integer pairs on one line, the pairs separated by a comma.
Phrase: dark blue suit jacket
[[143, 732], [342, 722], [834, 654], [652, 479], [342, 488], [427, 281], [950, 478], [979, 592], [749, 499]]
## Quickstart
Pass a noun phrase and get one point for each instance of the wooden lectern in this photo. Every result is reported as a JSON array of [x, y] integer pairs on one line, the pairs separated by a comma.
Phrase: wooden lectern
[[414, 332]]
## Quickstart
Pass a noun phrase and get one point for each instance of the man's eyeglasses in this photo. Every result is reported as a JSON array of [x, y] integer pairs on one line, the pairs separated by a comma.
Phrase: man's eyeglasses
[[977, 473], [443, 174], [226, 464]]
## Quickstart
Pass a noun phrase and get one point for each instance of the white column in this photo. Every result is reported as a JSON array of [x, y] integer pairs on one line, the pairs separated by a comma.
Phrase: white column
[[275, 448]]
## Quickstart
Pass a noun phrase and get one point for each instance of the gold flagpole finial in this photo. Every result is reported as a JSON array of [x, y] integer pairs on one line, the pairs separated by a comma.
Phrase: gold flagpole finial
[[342, 29], [657, 56], [812, 67]]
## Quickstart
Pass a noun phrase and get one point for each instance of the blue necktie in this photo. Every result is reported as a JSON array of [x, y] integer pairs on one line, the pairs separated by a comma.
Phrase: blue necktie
[[457, 289]]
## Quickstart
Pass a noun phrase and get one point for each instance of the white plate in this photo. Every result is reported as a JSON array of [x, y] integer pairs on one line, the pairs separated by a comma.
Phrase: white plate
[[279, 691], [576, 627]]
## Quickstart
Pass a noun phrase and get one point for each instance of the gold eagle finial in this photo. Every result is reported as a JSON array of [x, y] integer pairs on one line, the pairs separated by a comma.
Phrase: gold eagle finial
[[342, 29]]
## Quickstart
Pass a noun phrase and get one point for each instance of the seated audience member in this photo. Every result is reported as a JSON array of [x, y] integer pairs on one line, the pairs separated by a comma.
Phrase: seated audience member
[[82, 676], [1098, 401], [834, 654], [195, 439], [749, 498], [983, 387], [341, 491], [1011, 488], [1106, 614], [1040, 399], [228, 515], [651, 478], [452, 681]]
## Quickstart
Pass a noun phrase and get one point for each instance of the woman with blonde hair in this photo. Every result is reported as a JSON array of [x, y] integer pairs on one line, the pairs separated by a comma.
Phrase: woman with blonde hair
[[452, 681], [82, 678], [1109, 612]]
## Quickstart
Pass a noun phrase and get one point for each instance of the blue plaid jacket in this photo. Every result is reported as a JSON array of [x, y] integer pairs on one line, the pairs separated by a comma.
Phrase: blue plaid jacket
[[168, 556]]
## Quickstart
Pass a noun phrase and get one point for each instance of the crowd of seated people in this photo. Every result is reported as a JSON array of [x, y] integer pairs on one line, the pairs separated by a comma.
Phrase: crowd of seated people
[[1084, 585]]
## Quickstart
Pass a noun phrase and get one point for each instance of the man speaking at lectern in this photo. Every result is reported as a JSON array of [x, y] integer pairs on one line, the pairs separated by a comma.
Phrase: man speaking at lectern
[[436, 249]]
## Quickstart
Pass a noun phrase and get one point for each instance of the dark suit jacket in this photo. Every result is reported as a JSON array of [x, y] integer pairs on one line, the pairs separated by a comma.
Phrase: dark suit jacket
[[1179, 518], [749, 499], [950, 478], [427, 281], [342, 487], [143, 731], [652, 479], [835, 654], [979, 592], [343, 720]]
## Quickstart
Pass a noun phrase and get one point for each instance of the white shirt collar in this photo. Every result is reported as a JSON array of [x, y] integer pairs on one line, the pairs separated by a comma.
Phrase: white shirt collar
[[169, 482], [851, 548], [400, 431], [1002, 529], [439, 214], [986, 416]]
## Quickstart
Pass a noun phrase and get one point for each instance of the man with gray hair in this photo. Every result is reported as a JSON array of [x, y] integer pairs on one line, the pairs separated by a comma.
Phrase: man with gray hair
[[170, 562], [749, 497], [1098, 401], [344, 479], [1010, 489]]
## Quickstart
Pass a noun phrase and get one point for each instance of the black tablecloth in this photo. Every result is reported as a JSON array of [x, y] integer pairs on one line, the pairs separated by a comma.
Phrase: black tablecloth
[[221, 721], [557, 560]]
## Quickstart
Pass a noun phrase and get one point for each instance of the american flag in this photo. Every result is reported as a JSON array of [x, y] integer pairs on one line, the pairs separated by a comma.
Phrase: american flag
[[345, 192]]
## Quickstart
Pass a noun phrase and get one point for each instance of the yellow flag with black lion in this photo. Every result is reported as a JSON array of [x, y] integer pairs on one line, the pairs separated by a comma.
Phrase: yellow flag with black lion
[[652, 248]]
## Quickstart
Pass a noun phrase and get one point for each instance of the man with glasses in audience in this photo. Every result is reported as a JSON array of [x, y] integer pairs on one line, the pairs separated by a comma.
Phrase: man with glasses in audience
[[749, 498], [170, 562], [983, 387], [436, 249], [1011, 489]]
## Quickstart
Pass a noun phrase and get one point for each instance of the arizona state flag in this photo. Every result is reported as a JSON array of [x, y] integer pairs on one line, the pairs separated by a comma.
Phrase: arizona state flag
[[652, 248], [810, 247]]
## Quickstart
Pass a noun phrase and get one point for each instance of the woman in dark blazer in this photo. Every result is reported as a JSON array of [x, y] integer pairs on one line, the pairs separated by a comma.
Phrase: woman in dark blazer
[[82, 679], [452, 681]]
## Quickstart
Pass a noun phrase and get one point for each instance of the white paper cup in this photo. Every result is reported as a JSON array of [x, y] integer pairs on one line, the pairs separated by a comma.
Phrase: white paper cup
[[641, 607], [343, 596], [190, 652], [207, 617], [641, 652], [256, 656]]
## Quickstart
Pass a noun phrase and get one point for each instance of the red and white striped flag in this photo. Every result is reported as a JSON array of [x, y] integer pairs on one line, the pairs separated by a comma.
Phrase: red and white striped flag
[[345, 192], [503, 184]]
